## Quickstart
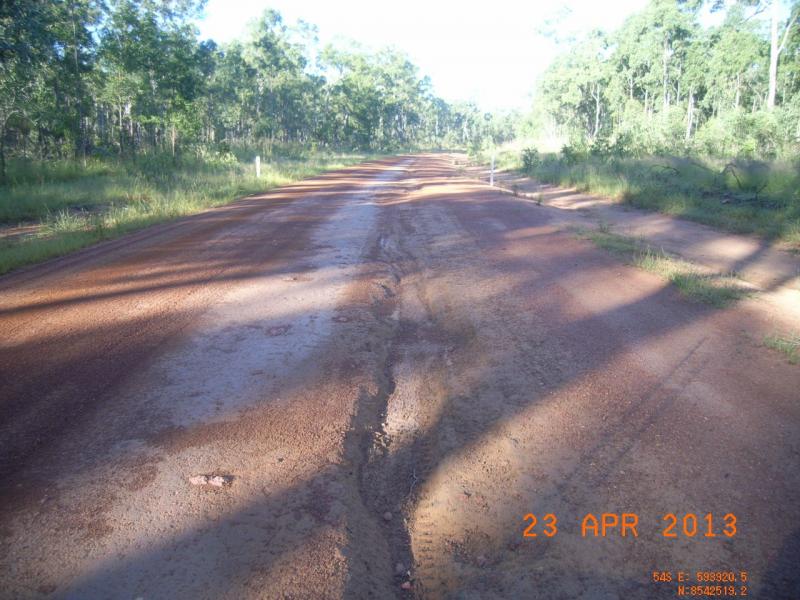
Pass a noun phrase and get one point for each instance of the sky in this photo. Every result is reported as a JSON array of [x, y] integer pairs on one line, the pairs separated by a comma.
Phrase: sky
[[489, 52]]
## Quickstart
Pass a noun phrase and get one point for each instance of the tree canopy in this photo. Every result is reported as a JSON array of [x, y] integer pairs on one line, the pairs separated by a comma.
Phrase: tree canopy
[[664, 83]]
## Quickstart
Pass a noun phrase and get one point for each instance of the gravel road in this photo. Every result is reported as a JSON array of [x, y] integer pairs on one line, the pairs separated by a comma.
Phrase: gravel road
[[361, 385]]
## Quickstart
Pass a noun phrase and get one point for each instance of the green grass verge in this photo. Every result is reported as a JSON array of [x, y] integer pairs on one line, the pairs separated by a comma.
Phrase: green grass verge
[[789, 346], [73, 208], [748, 197], [717, 290]]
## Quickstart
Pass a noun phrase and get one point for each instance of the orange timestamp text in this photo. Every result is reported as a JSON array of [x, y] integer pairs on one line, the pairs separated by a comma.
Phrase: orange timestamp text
[[673, 525], [705, 583]]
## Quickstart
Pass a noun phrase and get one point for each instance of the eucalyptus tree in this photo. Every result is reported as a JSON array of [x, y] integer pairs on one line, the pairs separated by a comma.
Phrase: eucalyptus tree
[[575, 86]]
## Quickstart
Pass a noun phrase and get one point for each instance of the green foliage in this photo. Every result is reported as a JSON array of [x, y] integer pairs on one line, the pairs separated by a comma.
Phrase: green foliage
[[662, 84], [530, 159], [572, 154]]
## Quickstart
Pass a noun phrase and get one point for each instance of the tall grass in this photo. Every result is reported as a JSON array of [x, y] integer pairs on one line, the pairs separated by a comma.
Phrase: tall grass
[[743, 196], [74, 207]]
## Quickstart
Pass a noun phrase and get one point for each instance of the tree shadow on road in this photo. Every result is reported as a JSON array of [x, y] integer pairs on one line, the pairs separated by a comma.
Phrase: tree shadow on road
[[630, 368]]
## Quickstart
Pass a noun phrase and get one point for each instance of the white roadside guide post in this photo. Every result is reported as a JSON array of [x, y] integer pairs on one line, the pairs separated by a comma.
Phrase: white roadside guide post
[[258, 167], [491, 176]]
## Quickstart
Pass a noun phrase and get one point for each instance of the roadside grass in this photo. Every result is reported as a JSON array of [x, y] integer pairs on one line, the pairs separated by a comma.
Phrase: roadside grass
[[739, 196], [73, 208], [789, 346], [507, 156], [713, 289]]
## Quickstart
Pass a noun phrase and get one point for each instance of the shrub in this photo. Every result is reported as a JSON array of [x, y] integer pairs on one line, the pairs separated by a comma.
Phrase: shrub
[[572, 154], [602, 147], [530, 159]]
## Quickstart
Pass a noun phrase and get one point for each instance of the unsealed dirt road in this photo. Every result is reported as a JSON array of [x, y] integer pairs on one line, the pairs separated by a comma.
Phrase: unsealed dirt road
[[391, 365]]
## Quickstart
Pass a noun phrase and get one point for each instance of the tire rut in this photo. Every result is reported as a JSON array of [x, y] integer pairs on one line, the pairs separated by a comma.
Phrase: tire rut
[[381, 483], [395, 468]]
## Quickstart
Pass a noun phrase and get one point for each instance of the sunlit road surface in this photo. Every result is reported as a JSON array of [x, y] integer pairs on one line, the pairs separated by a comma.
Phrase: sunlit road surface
[[388, 369]]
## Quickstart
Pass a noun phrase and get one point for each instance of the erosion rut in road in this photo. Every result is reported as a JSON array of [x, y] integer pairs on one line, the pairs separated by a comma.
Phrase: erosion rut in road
[[391, 365]]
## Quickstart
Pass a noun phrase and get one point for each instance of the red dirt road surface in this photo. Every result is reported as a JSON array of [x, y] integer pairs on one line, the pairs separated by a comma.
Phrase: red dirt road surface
[[384, 370]]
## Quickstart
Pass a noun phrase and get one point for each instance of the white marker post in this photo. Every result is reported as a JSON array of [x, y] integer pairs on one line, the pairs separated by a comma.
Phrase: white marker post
[[258, 167], [491, 176]]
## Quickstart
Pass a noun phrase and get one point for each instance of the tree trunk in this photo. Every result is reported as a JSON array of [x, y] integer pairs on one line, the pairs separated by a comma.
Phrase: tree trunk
[[596, 111], [775, 49], [121, 132], [665, 77], [2, 156], [773, 55], [689, 115], [81, 142]]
